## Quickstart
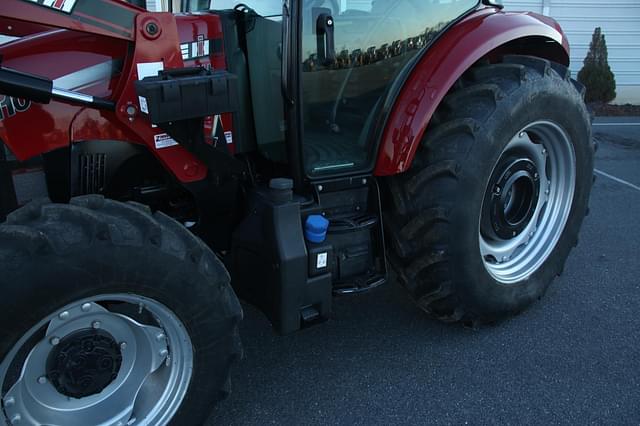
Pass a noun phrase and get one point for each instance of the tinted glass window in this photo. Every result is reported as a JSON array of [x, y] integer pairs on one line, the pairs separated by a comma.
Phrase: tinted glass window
[[374, 40], [262, 7]]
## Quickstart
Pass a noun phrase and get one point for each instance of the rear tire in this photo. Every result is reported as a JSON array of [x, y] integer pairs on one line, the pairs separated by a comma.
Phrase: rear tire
[[104, 270], [464, 251]]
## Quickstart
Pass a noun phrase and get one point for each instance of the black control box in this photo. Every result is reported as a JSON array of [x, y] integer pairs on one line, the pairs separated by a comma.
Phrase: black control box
[[186, 93]]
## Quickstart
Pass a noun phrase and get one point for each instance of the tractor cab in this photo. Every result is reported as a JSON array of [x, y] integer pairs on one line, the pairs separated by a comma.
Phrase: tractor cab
[[344, 62]]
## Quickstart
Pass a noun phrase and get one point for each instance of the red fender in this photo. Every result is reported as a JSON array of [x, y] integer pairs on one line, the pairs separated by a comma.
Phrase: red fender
[[482, 33]]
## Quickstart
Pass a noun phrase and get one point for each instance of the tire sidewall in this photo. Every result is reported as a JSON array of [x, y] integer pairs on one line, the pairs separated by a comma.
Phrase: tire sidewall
[[550, 99], [62, 280]]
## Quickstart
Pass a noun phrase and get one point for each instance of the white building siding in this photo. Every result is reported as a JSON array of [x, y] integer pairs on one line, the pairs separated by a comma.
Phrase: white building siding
[[620, 22]]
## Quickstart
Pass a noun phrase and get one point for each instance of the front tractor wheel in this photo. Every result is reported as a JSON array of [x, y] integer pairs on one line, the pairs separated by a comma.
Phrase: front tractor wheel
[[111, 316], [492, 206]]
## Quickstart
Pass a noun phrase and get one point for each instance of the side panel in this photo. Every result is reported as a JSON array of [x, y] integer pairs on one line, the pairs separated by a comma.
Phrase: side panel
[[482, 33]]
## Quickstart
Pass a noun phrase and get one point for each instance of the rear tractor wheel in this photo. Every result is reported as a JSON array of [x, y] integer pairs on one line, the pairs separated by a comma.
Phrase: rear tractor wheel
[[111, 316], [492, 206]]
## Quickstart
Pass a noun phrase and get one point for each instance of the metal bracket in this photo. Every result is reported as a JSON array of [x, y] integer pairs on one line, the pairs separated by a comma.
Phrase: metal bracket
[[490, 3]]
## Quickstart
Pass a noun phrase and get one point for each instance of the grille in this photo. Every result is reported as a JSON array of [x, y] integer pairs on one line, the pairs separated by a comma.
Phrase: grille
[[92, 173]]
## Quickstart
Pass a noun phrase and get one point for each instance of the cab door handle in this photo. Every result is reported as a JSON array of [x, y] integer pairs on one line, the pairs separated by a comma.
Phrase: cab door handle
[[325, 39]]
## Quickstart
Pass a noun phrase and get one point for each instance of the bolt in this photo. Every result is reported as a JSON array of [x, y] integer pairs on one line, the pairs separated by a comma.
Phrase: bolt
[[497, 189], [547, 192], [364, 181], [514, 233], [86, 307], [42, 380], [123, 346], [544, 152], [9, 402], [329, 22], [160, 336], [54, 341], [163, 353], [96, 324], [320, 188], [152, 28], [64, 315], [521, 134], [16, 419], [505, 258], [531, 234], [536, 176]]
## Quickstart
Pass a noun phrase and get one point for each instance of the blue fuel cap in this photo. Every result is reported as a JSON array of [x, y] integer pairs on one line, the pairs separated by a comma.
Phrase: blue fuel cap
[[315, 229]]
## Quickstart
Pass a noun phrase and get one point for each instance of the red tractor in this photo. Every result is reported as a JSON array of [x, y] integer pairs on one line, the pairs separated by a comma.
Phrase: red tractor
[[154, 167]]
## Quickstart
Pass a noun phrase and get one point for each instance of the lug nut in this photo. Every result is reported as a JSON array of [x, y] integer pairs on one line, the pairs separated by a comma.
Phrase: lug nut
[[123, 346], [320, 188], [16, 419], [64, 315], [497, 190], [42, 380], [160, 336], [9, 402], [86, 307], [163, 353], [54, 341], [96, 325]]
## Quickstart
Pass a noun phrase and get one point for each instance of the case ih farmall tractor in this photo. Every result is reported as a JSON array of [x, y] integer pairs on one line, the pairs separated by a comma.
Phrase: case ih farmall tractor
[[155, 166]]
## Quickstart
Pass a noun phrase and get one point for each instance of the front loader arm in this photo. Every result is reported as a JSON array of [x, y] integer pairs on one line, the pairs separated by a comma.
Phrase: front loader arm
[[112, 18], [154, 38]]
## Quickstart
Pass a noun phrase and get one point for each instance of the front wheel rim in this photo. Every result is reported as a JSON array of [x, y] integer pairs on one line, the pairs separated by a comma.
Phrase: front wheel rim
[[520, 229], [61, 363]]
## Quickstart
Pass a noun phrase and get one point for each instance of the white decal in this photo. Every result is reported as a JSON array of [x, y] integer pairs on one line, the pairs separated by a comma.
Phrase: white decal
[[196, 49], [163, 140], [229, 137], [149, 69], [11, 106], [65, 6], [143, 104], [322, 261]]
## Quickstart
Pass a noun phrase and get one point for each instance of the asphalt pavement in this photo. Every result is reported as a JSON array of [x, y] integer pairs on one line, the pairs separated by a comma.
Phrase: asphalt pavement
[[572, 358]]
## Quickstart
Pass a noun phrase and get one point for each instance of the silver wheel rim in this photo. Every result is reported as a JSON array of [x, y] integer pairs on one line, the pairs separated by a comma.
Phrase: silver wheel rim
[[547, 151], [148, 388]]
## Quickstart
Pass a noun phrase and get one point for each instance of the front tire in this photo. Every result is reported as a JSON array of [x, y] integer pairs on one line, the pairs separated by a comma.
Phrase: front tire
[[487, 215], [111, 315]]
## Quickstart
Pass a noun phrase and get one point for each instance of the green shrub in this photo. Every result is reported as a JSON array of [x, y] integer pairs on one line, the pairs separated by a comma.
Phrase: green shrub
[[596, 74]]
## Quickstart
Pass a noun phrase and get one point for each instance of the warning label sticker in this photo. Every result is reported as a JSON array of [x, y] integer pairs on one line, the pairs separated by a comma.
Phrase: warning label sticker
[[65, 6], [228, 137], [163, 140], [322, 261]]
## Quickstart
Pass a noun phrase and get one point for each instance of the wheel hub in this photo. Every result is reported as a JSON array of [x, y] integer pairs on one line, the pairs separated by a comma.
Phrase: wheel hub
[[527, 201], [84, 363], [511, 198]]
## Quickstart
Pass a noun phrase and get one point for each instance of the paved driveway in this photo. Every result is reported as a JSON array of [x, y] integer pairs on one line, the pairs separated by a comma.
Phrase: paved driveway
[[573, 358]]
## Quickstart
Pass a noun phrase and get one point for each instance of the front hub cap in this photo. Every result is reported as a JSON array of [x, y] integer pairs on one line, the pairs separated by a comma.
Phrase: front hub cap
[[527, 202], [84, 363], [110, 360]]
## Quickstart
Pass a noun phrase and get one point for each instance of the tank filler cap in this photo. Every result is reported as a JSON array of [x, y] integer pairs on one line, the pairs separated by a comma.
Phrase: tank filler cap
[[315, 229], [281, 184]]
